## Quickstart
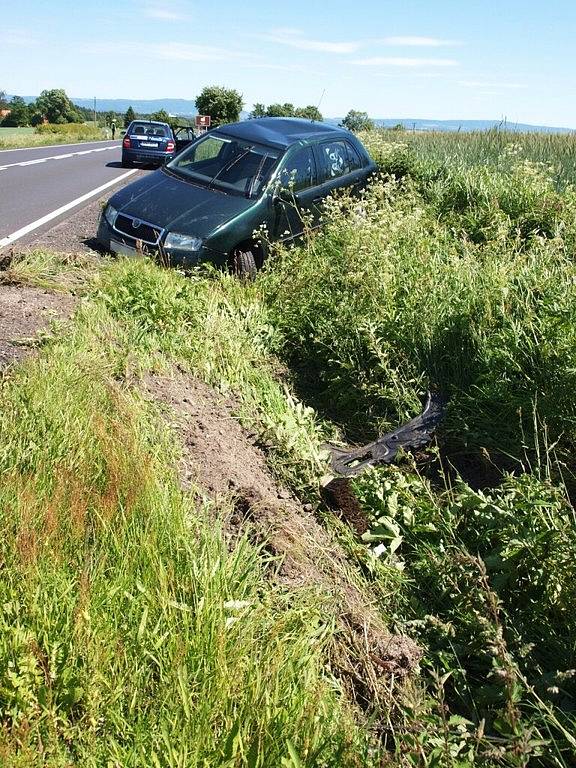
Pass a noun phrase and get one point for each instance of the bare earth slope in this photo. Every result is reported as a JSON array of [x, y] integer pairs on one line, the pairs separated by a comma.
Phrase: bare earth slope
[[220, 457], [24, 313]]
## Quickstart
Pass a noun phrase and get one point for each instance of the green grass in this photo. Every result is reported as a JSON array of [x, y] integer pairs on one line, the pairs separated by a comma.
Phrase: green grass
[[16, 138], [12, 132], [454, 271], [496, 149], [131, 633]]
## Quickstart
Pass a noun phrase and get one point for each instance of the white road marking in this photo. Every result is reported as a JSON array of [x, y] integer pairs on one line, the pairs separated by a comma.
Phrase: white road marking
[[50, 146], [54, 157], [39, 222]]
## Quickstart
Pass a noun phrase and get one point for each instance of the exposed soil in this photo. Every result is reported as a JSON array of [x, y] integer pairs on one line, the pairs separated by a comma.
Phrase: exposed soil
[[220, 458], [24, 313], [339, 496]]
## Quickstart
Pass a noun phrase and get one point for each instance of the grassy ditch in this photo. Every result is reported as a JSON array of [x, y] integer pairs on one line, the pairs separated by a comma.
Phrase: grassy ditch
[[459, 279], [131, 633], [462, 281]]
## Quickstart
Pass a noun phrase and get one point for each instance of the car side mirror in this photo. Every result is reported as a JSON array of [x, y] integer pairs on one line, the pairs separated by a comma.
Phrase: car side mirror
[[282, 194]]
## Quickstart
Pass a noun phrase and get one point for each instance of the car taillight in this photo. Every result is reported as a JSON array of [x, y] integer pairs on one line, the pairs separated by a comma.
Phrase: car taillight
[[170, 146], [126, 142]]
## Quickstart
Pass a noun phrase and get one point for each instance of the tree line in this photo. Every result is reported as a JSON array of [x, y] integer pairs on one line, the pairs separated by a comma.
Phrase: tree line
[[224, 105]]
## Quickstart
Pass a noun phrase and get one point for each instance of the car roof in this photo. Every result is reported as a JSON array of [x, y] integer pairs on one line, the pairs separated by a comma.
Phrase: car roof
[[280, 131], [152, 122]]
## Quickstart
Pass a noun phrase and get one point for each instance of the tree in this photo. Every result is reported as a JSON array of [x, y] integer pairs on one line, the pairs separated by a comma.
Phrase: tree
[[3, 100], [19, 113], [161, 116], [57, 107], [310, 113], [357, 121], [258, 110], [286, 110], [280, 110], [129, 116], [222, 104]]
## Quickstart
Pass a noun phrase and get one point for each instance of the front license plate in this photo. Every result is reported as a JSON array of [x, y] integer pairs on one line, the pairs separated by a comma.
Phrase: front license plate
[[148, 144], [124, 250]]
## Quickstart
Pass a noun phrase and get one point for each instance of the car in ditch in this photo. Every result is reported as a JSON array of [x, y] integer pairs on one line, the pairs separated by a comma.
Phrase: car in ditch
[[207, 203]]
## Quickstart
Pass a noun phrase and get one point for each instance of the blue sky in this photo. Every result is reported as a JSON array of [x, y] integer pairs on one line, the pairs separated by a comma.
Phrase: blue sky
[[442, 59]]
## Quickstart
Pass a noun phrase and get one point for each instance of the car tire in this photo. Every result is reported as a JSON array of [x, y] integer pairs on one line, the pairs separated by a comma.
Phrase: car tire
[[243, 264], [126, 163]]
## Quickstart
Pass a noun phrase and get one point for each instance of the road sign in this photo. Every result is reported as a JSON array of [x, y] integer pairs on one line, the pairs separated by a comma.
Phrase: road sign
[[202, 121]]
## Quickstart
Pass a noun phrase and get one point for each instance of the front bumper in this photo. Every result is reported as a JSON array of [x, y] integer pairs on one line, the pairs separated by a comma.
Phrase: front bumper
[[117, 242]]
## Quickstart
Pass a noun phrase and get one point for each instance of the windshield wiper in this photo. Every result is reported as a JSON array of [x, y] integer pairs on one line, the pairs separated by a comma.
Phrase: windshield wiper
[[230, 164], [256, 176]]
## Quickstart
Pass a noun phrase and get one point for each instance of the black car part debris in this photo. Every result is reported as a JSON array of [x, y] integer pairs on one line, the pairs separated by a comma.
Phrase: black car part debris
[[348, 462]]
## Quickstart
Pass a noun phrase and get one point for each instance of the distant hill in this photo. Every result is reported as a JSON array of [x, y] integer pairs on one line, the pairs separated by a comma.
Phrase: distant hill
[[464, 125], [144, 106], [187, 107]]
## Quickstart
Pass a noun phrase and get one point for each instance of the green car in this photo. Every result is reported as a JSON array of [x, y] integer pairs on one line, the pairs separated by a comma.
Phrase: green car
[[209, 201]]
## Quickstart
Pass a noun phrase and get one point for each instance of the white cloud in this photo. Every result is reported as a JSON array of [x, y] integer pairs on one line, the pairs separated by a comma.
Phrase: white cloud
[[482, 84], [294, 39], [19, 37], [401, 61], [187, 52], [417, 41], [169, 51], [164, 11], [286, 31]]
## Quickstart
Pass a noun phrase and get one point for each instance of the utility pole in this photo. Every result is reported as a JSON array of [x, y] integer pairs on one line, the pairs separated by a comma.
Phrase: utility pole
[[94, 111]]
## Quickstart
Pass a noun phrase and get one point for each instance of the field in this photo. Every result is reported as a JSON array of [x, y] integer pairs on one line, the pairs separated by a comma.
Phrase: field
[[15, 138], [153, 614]]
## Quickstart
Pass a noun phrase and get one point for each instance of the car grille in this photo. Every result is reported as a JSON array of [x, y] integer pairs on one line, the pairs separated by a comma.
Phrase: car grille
[[130, 226]]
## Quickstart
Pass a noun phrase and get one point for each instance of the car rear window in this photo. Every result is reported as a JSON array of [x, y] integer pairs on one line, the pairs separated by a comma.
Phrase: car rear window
[[147, 129]]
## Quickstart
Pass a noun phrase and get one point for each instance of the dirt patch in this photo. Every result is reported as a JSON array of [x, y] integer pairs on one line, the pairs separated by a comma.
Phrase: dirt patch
[[340, 497], [220, 457], [24, 313]]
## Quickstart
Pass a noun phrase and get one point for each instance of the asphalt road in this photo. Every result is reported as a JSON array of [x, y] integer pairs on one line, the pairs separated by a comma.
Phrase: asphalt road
[[41, 186]]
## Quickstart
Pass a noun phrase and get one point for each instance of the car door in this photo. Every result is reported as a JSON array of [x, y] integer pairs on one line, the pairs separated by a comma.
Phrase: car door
[[297, 196], [183, 135], [339, 165]]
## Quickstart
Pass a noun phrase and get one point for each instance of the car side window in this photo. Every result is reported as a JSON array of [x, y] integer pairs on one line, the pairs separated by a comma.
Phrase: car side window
[[335, 159], [354, 159], [299, 171]]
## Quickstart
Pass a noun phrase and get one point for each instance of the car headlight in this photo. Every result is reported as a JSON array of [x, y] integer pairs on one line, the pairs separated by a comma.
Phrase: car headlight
[[182, 242], [110, 214]]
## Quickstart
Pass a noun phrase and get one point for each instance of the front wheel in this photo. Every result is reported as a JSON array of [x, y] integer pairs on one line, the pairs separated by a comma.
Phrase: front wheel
[[243, 264]]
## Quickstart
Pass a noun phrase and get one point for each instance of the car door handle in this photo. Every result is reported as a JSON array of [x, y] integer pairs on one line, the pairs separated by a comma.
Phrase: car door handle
[[317, 199]]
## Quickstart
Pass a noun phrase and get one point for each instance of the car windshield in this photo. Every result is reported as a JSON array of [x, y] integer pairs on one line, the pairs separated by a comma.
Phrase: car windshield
[[148, 129], [226, 163]]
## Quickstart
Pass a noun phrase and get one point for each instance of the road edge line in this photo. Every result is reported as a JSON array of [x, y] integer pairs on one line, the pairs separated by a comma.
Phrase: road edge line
[[43, 146], [9, 239]]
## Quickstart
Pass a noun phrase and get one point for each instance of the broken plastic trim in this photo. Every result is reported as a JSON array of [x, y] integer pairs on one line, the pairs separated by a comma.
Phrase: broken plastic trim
[[415, 433]]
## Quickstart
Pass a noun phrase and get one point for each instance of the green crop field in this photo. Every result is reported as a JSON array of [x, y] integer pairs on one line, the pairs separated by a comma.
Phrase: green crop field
[[14, 138], [119, 641]]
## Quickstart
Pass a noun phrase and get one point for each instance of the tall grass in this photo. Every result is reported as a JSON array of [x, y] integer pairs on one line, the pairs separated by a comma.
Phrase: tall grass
[[459, 278], [130, 633], [496, 149], [16, 138], [168, 648]]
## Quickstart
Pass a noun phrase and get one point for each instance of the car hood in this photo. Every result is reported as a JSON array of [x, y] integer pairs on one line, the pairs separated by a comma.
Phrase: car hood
[[178, 205]]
